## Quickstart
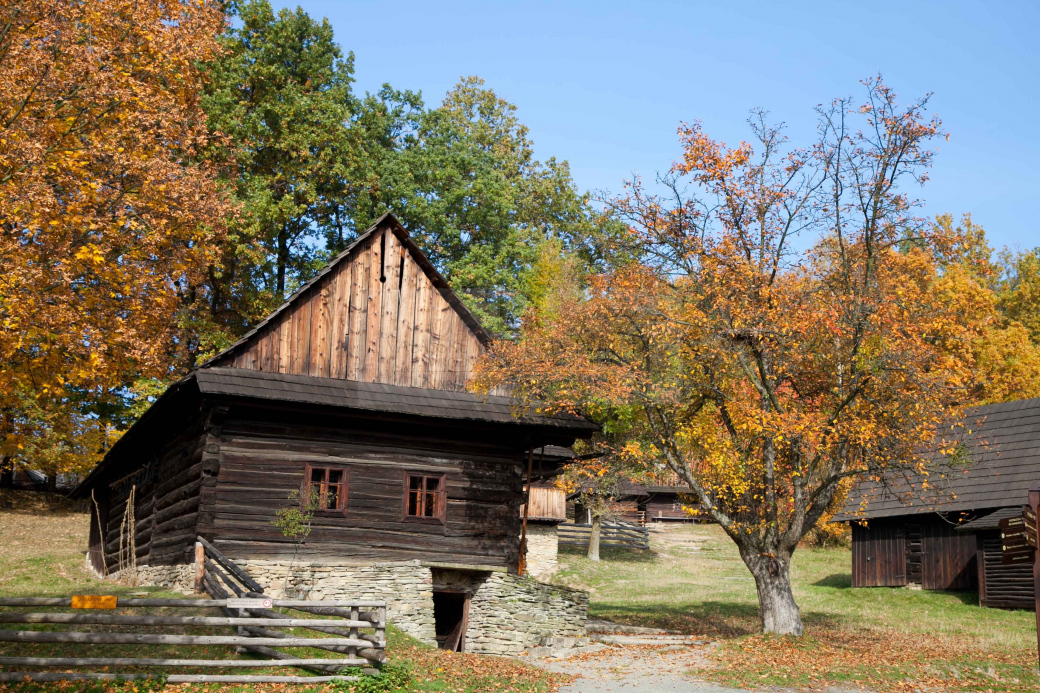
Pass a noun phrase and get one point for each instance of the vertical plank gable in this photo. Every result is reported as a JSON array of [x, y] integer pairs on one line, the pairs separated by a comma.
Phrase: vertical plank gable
[[393, 255], [374, 316]]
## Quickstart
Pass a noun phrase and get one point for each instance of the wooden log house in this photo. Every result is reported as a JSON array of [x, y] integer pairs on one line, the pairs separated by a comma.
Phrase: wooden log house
[[945, 537], [354, 390]]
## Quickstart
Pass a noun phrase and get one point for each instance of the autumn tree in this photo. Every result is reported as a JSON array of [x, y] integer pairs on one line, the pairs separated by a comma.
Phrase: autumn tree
[[778, 332], [106, 213], [996, 298]]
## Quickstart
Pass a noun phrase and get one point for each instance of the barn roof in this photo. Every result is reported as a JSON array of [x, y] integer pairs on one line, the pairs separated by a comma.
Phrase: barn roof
[[378, 397], [998, 461], [991, 520]]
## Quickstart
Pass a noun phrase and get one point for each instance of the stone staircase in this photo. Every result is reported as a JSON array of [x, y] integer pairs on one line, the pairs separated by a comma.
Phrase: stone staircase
[[603, 634]]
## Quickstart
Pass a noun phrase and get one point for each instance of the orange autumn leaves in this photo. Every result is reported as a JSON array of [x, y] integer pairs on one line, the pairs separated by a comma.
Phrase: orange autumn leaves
[[107, 216], [783, 328]]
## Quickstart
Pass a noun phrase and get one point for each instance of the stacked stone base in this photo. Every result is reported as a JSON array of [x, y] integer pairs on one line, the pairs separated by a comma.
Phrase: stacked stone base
[[507, 615]]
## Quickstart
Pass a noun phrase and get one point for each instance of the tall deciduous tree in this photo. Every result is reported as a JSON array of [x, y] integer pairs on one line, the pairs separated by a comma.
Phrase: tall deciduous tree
[[465, 181], [777, 333], [105, 211], [281, 94]]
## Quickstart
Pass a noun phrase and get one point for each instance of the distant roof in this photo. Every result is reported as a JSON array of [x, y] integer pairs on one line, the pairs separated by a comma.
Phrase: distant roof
[[1002, 442], [395, 399]]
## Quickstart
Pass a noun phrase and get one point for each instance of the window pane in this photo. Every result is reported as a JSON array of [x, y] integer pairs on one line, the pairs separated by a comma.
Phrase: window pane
[[413, 503], [335, 476], [331, 497], [415, 482], [317, 475], [430, 506], [431, 483]]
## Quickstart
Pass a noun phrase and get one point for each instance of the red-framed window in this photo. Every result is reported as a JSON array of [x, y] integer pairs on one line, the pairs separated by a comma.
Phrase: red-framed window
[[331, 484], [425, 497]]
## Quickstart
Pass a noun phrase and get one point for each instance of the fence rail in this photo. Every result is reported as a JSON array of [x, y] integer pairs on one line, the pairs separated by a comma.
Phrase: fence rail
[[358, 628], [617, 533]]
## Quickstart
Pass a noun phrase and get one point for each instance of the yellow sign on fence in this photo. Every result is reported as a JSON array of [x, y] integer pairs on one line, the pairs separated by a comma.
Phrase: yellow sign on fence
[[94, 601]]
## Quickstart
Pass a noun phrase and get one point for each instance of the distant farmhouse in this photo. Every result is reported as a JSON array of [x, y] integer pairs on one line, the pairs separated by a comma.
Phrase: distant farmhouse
[[354, 390], [947, 538]]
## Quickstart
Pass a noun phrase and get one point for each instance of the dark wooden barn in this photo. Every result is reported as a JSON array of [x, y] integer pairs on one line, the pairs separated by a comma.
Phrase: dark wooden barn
[[945, 537], [353, 390]]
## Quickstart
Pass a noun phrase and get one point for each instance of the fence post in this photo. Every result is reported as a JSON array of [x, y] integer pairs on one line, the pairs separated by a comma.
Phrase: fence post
[[200, 566], [1034, 504]]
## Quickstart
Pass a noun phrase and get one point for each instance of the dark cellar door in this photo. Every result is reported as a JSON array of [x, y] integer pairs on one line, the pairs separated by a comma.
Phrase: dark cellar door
[[451, 618]]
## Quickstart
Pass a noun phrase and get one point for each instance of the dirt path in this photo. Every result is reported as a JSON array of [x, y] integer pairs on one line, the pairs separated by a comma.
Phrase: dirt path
[[638, 669]]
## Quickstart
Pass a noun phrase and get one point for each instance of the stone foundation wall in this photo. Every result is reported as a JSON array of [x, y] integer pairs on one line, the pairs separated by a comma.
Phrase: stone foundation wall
[[176, 578], [508, 613], [543, 546], [406, 587]]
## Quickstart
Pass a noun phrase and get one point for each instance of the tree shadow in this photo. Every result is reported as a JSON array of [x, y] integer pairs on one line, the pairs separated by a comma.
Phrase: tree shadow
[[837, 580], [711, 618], [615, 554]]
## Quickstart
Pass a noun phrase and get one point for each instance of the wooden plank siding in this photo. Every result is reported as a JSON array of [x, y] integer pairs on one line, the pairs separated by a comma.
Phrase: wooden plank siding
[[878, 555], [263, 451], [921, 549], [948, 557], [375, 317]]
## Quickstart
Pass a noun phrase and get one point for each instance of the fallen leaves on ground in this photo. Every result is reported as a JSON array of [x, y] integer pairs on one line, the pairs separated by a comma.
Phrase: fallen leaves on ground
[[885, 660]]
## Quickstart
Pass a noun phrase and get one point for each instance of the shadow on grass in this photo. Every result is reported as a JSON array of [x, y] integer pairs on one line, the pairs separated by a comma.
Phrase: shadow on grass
[[838, 580], [612, 553], [712, 618]]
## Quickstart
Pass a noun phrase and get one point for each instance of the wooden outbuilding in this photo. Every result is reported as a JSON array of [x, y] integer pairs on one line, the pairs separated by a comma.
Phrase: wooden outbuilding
[[943, 534], [353, 392]]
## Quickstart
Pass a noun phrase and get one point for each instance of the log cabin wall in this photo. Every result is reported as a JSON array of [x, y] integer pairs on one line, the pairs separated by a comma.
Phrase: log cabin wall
[[166, 489], [263, 452], [1002, 586], [377, 317]]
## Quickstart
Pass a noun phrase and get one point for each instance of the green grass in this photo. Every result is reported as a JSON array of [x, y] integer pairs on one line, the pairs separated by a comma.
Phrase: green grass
[[43, 553], [693, 580]]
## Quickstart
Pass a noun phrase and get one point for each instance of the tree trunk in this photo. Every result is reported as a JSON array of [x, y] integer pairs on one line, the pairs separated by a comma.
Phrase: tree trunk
[[597, 526], [6, 472], [776, 605], [52, 482]]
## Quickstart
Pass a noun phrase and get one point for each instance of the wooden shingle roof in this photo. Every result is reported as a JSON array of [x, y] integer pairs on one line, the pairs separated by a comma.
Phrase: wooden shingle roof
[[379, 397], [999, 460]]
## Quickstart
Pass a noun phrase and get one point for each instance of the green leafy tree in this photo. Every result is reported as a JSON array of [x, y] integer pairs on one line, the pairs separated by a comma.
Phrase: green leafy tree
[[281, 95]]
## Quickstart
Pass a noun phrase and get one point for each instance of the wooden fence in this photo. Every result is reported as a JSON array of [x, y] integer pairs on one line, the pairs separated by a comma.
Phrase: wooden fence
[[358, 630], [616, 533]]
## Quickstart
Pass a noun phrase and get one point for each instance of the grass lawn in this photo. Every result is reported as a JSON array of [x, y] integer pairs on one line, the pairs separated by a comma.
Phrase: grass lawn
[[42, 550], [885, 639]]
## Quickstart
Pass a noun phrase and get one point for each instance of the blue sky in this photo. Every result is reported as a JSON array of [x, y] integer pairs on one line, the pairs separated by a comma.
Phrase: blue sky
[[605, 84]]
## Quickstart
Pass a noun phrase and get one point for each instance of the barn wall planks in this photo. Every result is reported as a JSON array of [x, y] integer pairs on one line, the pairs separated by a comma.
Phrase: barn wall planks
[[921, 549], [376, 317], [878, 555], [262, 456], [948, 557]]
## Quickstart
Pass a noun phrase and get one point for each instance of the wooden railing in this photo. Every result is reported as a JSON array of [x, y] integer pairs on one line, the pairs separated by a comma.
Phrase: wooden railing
[[614, 533], [357, 630]]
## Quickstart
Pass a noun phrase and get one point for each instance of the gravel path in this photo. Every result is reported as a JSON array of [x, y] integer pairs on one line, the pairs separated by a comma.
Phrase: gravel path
[[637, 670]]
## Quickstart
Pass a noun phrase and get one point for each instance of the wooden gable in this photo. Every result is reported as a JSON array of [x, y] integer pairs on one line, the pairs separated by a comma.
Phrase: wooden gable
[[378, 313]]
